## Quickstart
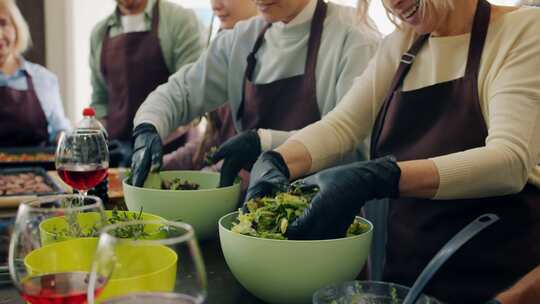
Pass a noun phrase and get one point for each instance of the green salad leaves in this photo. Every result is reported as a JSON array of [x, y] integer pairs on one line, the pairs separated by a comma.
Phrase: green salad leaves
[[269, 217]]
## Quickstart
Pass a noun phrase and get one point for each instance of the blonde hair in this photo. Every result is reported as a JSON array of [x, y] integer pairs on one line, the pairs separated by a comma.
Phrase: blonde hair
[[22, 32], [437, 5]]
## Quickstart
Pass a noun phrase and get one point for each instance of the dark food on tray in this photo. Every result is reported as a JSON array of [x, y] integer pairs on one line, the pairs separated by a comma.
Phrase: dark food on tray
[[19, 183], [268, 217], [179, 184], [26, 157]]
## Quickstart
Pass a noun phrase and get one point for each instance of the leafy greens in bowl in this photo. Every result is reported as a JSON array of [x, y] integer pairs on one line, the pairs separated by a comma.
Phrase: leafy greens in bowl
[[290, 271], [269, 217]]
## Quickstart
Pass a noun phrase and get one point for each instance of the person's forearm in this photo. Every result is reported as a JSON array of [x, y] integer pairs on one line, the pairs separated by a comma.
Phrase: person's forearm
[[296, 157], [419, 179], [525, 291]]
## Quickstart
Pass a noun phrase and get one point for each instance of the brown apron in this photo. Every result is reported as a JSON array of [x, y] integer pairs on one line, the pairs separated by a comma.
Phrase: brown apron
[[285, 104], [22, 120], [437, 120], [227, 128], [133, 66]]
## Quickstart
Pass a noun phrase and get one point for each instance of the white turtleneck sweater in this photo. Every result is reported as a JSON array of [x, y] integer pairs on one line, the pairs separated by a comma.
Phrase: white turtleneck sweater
[[217, 76], [509, 89]]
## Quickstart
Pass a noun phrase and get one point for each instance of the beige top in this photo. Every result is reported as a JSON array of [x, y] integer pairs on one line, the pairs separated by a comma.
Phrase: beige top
[[509, 88]]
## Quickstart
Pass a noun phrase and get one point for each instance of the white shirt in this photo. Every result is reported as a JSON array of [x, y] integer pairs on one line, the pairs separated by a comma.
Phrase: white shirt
[[133, 23]]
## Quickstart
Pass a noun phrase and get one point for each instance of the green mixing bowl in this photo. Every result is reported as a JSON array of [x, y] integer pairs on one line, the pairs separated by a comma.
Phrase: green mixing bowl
[[289, 272], [200, 208], [55, 229], [129, 275]]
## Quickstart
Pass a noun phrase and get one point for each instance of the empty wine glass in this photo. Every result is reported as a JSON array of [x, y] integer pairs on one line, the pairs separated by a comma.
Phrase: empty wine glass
[[82, 159], [148, 262], [50, 254]]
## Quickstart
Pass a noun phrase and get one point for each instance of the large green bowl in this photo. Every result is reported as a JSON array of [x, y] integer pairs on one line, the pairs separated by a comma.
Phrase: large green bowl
[[158, 274], [200, 208], [87, 221], [289, 272]]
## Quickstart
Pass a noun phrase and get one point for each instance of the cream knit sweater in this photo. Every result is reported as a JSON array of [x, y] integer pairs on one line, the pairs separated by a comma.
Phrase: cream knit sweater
[[509, 88]]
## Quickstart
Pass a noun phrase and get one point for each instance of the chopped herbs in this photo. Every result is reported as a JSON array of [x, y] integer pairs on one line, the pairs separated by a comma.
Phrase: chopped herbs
[[269, 217], [75, 230], [179, 184], [127, 232]]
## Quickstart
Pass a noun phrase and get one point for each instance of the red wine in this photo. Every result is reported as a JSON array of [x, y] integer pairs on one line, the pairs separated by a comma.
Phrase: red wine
[[58, 288], [154, 298], [82, 177]]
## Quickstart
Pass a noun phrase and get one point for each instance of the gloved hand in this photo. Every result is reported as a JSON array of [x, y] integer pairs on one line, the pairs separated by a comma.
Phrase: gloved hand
[[268, 175], [343, 191], [147, 153], [240, 152]]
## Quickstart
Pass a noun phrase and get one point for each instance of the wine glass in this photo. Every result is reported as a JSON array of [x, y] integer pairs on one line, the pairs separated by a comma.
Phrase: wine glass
[[46, 256], [148, 262], [82, 159]]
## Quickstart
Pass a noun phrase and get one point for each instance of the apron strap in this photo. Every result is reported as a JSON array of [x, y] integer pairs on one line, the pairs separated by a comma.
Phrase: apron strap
[[478, 38], [29, 81], [404, 66], [314, 44], [155, 18], [251, 59]]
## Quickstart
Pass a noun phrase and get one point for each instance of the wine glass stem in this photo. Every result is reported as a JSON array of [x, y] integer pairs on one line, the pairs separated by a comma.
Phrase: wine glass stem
[[82, 195]]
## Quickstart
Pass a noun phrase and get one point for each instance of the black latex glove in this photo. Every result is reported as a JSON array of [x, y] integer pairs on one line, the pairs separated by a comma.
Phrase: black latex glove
[[147, 153], [343, 191], [239, 152], [494, 301], [268, 175]]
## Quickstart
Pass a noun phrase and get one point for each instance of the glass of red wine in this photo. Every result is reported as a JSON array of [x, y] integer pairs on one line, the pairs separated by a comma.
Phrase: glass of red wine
[[148, 262], [82, 159], [46, 237]]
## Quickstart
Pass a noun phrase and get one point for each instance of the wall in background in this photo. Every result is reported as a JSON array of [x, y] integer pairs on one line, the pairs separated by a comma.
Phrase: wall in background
[[60, 48], [34, 13]]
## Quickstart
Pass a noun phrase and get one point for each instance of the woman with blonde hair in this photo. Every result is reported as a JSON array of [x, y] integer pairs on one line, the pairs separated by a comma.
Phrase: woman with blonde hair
[[452, 103], [31, 112]]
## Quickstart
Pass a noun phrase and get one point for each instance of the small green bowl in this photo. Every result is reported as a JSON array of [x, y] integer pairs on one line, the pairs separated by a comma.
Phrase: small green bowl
[[287, 271], [200, 208], [49, 227], [129, 276]]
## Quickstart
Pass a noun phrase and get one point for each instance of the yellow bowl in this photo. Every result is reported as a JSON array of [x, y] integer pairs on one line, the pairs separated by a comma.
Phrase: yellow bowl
[[49, 228], [156, 274]]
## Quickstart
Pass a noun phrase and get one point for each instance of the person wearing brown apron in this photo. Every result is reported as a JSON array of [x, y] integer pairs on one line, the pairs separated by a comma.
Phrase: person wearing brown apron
[[134, 50], [133, 66], [433, 129], [31, 112], [411, 129], [273, 88], [263, 105]]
